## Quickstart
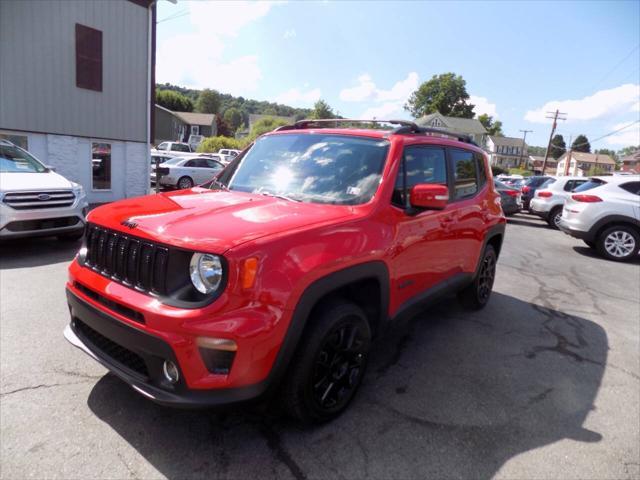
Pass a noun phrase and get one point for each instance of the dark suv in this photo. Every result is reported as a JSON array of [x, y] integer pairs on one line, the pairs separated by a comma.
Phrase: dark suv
[[529, 188], [277, 275]]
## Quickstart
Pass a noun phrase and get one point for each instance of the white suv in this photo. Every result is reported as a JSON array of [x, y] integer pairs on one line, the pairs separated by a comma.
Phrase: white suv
[[36, 201], [550, 198], [605, 214]]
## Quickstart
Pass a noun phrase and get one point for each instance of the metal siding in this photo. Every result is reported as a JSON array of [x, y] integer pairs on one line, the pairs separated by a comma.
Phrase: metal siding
[[37, 69]]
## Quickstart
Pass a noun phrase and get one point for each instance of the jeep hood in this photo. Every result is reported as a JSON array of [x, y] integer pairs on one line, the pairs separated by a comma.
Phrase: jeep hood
[[211, 221], [16, 181]]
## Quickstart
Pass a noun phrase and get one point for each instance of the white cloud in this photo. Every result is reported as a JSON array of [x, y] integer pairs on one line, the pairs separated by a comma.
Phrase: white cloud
[[298, 98], [195, 59], [628, 136], [482, 105], [387, 103], [290, 33], [603, 103]]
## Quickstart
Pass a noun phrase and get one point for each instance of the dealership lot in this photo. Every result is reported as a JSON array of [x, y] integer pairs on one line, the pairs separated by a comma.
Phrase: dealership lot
[[543, 383]]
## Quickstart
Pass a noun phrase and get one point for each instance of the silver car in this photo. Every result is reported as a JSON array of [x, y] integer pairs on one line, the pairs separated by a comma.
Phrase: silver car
[[36, 201], [185, 172]]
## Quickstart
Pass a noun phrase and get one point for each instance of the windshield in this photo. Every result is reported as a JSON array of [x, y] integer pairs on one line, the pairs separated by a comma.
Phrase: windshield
[[14, 159], [547, 183], [336, 169], [593, 183]]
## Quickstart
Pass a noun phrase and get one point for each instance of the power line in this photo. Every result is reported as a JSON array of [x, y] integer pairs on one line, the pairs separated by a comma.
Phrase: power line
[[605, 135], [174, 16], [556, 116], [615, 68]]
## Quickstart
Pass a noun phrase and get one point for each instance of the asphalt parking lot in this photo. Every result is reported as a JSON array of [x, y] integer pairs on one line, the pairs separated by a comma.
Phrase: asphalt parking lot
[[543, 383]]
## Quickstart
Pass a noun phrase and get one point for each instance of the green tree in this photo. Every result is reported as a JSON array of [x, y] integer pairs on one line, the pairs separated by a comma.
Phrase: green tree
[[538, 151], [321, 109], [626, 151], [174, 101], [223, 128], [214, 144], [233, 117], [581, 144], [558, 147], [208, 101], [265, 125], [606, 151], [445, 93], [492, 127]]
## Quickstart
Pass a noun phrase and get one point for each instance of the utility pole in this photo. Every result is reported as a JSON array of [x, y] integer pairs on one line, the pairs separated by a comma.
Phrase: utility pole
[[567, 160], [524, 139], [556, 116]]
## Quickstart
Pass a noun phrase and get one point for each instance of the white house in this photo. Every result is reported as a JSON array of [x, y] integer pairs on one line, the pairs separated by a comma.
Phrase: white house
[[506, 152], [77, 82], [467, 126], [583, 164]]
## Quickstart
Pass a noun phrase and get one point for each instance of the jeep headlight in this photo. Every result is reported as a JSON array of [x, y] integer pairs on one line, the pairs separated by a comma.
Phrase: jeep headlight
[[206, 272]]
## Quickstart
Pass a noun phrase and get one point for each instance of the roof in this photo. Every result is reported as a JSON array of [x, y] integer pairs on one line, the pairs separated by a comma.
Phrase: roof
[[506, 141], [634, 157], [465, 125], [191, 118], [589, 158]]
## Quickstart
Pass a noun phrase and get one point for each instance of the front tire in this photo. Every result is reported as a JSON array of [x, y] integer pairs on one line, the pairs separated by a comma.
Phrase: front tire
[[619, 243], [477, 294], [184, 183], [328, 367]]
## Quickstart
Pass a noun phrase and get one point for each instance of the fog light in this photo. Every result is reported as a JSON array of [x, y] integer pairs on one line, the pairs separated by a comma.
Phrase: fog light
[[170, 371]]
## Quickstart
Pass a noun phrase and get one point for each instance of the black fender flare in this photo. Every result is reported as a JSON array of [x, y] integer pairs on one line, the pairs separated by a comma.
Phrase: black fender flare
[[313, 293], [495, 231]]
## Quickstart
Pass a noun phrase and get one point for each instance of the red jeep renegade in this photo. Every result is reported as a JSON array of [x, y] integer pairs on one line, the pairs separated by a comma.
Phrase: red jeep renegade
[[279, 273]]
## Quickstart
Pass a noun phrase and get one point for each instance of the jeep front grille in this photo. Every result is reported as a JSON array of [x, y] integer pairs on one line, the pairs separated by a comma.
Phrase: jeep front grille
[[39, 199], [132, 261]]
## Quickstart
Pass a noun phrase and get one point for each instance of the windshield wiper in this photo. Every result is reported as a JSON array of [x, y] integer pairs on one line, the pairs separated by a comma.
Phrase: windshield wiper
[[283, 197]]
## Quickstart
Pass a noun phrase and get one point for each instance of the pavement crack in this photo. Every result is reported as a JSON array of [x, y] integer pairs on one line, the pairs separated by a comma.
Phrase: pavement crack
[[37, 387], [274, 442], [540, 397]]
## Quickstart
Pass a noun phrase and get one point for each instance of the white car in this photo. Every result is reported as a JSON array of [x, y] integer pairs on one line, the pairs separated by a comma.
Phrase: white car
[[228, 154], [175, 149], [605, 214], [36, 201], [185, 172], [551, 195]]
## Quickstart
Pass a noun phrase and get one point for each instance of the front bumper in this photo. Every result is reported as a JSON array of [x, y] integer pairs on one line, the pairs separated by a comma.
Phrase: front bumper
[[137, 358], [42, 222]]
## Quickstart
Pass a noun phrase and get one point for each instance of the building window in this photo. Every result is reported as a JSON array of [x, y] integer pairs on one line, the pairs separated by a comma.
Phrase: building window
[[18, 140], [195, 129], [88, 58], [101, 166]]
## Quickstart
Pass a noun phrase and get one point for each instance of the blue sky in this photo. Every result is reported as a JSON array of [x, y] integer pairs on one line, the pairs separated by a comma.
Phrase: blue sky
[[519, 59]]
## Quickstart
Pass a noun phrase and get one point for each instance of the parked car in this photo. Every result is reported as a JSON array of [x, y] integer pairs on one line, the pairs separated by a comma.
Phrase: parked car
[[228, 154], [278, 276], [176, 149], [195, 141], [529, 188], [36, 201], [550, 197], [185, 172], [605, 213], [510, 179], [510, 198]]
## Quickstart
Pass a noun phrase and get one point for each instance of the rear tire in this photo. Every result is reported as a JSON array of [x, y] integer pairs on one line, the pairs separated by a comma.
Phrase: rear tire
[[554, 217], [618, 243], [328, 367], [477, 295], [184, 183]]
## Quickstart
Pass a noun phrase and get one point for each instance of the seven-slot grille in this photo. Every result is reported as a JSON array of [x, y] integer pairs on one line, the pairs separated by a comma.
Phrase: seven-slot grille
[[132, 261], [39, 199]]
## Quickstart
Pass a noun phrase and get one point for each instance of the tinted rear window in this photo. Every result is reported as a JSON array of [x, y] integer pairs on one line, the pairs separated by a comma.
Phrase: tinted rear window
[[632, 187], [547, 183]]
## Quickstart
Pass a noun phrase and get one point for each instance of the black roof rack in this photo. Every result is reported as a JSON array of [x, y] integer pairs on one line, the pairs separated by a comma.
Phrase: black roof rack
[[404, 127]]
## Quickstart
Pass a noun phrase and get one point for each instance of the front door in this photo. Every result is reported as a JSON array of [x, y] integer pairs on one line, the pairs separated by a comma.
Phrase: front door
[[422, 255]]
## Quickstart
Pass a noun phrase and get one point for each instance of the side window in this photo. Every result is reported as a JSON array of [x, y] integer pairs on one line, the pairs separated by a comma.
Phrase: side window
[[213, 164], [465, 174], [190, 163], [177, 147], [569, 186], [163, 146], [424, 165], [632, 187], [482, 173]]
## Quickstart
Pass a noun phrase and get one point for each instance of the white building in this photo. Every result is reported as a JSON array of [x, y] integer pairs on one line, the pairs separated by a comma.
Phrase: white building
[[76, 81], [467, 126], [583, 164], [506, 152]]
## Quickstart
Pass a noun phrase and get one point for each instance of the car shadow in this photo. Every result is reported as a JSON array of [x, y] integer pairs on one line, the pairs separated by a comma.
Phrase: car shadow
[[450, 394], [36, 252], [591, 253], [536, 222]]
